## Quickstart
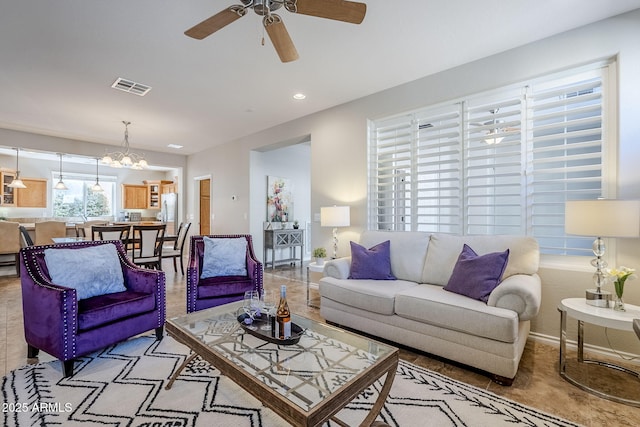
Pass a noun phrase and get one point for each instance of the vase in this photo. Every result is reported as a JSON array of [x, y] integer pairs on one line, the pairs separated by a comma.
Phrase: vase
[[618, 304]]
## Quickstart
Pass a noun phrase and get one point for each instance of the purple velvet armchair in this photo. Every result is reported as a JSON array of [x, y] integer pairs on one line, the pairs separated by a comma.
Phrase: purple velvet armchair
[[56, 322], [214, 291]]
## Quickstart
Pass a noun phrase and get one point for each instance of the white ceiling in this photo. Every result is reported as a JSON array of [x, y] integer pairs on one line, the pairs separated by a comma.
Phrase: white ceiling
[[59, 58]]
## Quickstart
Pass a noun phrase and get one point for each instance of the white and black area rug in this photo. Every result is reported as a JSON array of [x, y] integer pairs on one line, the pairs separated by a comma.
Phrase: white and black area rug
[[123, 385]]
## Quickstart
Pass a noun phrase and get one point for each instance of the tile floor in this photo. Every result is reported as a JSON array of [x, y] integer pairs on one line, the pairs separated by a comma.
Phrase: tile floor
[[537, 383]]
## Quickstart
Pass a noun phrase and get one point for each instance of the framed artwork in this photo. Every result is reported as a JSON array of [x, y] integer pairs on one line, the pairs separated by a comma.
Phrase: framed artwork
[[279, 199]]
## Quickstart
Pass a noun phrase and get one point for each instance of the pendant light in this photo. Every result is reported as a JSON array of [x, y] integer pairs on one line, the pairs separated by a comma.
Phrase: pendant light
[[97, 187], [60, 185], [125, 158], [17, 182]]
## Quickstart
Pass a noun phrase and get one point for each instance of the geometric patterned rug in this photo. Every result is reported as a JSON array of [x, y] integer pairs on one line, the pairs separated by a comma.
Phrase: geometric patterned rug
[[123, 385]]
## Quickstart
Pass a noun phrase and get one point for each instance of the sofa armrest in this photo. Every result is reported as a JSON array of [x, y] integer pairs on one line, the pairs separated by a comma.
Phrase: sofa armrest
[[338, 268], [521, 293]]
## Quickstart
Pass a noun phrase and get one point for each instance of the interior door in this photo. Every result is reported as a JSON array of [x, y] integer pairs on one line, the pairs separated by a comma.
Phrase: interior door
[[205, 207]]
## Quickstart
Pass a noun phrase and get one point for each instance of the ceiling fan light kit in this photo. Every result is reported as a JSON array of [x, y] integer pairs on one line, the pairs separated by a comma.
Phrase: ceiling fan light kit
[[338, 10]]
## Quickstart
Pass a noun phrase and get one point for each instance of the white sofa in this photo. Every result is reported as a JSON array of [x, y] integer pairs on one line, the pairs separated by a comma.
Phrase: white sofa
[[416, 311]]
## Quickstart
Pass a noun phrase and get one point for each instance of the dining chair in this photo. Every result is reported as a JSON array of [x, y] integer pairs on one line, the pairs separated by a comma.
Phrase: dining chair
[[26, 237], [177, 251], [46, 230], [147, 241], [111, 232], [636, 327], [84, 229], [10, 243]]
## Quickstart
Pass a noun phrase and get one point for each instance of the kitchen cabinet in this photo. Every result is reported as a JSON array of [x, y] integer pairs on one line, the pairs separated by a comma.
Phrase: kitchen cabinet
[[135, 196], [153, 193], [170, 188], [35, 195], [8, 196]]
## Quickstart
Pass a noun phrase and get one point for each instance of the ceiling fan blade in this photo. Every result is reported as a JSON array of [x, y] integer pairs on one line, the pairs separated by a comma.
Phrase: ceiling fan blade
[[339, 10], [216, 22], [280, 38]]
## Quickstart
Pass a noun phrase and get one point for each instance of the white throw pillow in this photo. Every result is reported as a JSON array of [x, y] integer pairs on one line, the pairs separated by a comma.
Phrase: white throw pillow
[[91, 271], [224, 257]]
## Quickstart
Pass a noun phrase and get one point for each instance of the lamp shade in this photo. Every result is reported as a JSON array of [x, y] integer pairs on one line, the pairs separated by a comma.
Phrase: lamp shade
[[602, 218], [335, 216]]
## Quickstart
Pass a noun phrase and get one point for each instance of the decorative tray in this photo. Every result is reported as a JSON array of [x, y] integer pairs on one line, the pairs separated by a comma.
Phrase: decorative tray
[[255, 330]]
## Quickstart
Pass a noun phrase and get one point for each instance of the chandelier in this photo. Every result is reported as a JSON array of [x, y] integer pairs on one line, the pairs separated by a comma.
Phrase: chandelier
[[125, 158]]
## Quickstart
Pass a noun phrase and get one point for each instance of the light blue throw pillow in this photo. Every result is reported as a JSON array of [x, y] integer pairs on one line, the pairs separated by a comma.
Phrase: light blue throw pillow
[[91, 271], [224, 257]]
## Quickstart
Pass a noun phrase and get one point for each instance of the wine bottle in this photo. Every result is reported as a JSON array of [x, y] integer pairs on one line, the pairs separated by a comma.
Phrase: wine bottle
[[283, 316]]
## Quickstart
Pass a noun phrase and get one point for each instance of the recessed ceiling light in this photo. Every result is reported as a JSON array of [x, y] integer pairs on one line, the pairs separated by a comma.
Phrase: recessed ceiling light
[[177, 146], [299, 96]]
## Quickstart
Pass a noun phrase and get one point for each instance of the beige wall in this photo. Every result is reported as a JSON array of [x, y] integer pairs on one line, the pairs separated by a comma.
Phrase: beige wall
[[339, 148]]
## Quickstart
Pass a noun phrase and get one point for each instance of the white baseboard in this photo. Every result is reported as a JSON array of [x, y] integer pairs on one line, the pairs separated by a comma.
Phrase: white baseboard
[[593, 349]]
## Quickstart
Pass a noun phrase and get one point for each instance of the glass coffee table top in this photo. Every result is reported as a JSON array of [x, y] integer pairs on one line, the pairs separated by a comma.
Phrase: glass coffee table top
[[305, 374]]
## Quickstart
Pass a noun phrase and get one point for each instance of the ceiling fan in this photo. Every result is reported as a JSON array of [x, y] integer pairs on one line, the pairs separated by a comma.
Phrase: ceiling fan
[[494, 129], [339, 10]]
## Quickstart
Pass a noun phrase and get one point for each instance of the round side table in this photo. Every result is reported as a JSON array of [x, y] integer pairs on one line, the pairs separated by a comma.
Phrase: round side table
[[578, 309]]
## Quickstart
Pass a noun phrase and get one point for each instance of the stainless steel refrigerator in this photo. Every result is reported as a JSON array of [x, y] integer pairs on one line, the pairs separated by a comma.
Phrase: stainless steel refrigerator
[[169, 203]]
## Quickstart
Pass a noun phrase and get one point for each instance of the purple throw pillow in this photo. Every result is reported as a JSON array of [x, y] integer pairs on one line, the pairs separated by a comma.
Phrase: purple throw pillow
[[373, 263], [476, 275]]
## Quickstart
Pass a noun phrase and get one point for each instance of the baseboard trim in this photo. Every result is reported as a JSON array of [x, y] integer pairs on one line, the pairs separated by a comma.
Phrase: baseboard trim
[[593, 349]]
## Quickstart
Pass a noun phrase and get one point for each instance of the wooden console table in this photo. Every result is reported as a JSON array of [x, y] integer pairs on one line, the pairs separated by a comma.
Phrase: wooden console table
[[283, 239]]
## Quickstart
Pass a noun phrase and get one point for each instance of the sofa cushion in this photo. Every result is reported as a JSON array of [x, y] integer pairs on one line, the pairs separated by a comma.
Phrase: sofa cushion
[[91, 271], [98, 310], [443, 253], [371, 295], [224, 257], [476, 275], [407, 251], [433, 305], [373, 263]]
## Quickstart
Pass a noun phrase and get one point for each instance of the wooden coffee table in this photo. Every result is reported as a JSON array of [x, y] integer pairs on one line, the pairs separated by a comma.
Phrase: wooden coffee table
[[305, 383]]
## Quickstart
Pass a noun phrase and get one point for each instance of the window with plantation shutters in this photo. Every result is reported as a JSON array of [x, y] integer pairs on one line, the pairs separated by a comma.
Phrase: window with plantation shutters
[[493, 172], [566, 144], [415, 172], [503, 162]]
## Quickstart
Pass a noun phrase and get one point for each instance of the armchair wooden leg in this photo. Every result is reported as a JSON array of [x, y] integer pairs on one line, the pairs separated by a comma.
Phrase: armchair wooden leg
[[32, 351], [182, 265], [67, 368], [175, 266], [160, 333]]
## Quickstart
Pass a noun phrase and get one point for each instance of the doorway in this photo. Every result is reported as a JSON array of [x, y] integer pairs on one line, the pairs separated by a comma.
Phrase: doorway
[[204, 198]]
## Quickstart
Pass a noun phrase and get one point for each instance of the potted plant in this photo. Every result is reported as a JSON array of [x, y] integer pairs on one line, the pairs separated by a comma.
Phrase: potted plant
[[319, 254], [296, 224]]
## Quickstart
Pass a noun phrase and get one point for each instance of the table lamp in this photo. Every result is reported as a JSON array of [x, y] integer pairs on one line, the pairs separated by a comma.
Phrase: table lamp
[[335, 216], [601, 218]]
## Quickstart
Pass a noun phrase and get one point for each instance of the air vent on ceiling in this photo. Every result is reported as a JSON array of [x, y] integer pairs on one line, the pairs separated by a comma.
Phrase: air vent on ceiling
[[131, 87]]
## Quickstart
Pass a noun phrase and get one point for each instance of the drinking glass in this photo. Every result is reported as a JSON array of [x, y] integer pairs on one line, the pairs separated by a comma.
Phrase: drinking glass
[[250, 306], [269, 305]]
